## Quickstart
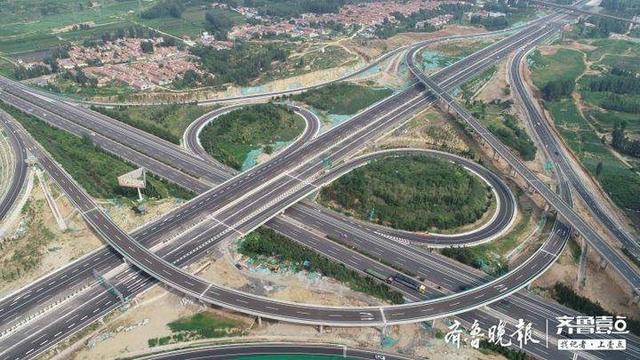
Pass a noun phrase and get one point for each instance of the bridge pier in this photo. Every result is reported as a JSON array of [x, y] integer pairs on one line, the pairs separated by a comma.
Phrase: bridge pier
[[529, 189], [321, 329], [260, 321], [603, 263]]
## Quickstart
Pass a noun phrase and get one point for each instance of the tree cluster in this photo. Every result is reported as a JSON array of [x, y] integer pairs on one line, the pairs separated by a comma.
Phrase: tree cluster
[[490, 23], [232, 135], [619, 84], [159, 115], [623, 103], [626, 7], [165, 8], [566, 296], [135, 32], [555, 90], [95, 169], [266, 242], [146, 47], [218, 24], [602, 27], [515, 137], [415, 193], [242, 63], [622, 143], [342, 98], [50, 65], [409, 23], [289, 8]]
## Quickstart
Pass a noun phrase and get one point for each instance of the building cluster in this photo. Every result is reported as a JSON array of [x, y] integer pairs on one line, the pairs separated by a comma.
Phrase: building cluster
[[140, 75], [375, 13], [124, 61], [437, 22], [207, 39], [367, 14], [292, 28]]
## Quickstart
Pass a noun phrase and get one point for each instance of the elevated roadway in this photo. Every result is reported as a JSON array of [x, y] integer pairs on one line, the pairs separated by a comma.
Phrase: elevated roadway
[[19, 174], [163, 221], [576, 10], [253, 349], [628, 272], [304, 211], [209, 292], [559, 155]]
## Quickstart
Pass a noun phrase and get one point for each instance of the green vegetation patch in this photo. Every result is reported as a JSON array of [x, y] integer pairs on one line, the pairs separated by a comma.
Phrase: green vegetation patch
[[566, 296], [267, 243], [94, 169], [25, 254], [487, 347], [620, 182], [490, 257], [230, 137], [342, 98], [417, 193], [565, 64], [497, 118], [166, 121], [203, 325]]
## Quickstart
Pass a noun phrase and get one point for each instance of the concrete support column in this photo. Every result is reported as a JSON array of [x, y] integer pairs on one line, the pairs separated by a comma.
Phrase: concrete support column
[[321, 329], [260, 321], [603, 263]]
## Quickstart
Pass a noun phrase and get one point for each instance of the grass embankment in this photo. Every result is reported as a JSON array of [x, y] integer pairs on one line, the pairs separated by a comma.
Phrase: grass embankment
[[94, 169], [445, 54], [498, 117], [619, 181], [417, 193], [232, 136], [265, 243], [342, 98], [203, 325], [24, 254], [491, 257], [487, 347], [566, 296], [165, 121]]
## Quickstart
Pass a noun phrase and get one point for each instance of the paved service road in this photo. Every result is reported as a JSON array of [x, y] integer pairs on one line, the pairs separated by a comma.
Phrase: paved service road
[[622, 266], [253, 349], [19, 174], [558, 154], [291, 312]]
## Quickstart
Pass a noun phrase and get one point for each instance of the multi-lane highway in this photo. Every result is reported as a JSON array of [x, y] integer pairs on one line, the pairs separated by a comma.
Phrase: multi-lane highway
[[292, 181], [577, 10], [628, 272], [19, 173], [501, 220], [560, 158], [121, 240], [284, 349]]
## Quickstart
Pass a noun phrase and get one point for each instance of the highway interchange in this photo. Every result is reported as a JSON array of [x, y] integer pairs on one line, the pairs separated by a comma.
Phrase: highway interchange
[[240, 216]]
